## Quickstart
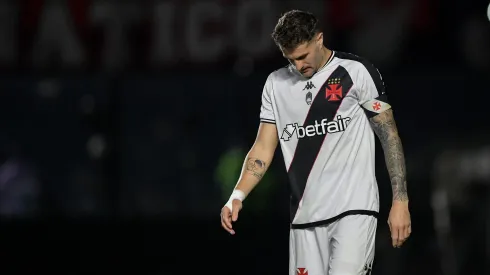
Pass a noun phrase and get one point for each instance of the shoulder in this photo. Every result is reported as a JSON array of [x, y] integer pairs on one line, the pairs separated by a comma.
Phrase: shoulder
[[283, 74], [356, 64], [352, 59]]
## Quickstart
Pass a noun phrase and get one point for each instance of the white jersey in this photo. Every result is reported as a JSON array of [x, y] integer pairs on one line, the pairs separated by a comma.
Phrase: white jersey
[[325, 136]]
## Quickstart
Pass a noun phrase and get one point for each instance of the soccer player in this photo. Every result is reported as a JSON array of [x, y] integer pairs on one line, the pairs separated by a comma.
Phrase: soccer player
[[324, 109]]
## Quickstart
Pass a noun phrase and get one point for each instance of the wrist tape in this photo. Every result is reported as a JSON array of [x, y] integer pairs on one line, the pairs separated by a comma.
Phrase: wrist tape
[[236, 195]]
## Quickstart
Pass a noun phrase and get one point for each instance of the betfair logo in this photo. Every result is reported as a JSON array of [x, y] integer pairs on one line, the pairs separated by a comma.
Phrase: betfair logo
[[322, 127]]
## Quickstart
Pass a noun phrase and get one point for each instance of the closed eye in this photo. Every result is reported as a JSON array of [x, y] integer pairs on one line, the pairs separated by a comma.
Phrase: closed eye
[[301, 57]]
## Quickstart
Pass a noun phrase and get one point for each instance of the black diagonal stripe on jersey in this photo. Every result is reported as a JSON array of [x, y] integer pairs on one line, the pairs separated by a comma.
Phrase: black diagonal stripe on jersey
[[308, 147]]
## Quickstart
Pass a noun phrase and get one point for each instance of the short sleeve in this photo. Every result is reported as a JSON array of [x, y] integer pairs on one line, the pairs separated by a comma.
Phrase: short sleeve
[[371, 90], [266, 111]]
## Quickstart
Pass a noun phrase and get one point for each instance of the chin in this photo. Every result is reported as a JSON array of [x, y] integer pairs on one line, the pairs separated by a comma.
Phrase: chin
[[308, 75]]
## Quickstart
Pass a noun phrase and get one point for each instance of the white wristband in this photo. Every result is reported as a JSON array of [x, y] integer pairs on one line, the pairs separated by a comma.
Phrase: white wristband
[[236, 195]]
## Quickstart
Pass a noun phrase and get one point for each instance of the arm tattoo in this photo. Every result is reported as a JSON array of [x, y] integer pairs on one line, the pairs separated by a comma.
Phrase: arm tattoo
[[385, 128], [255, 167]]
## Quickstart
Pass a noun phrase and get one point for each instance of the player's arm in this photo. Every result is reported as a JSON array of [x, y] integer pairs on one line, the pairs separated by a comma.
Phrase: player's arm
[[259, 158], [374, 100], [254, 168], [260, 155], [385, 128], [399, 222]]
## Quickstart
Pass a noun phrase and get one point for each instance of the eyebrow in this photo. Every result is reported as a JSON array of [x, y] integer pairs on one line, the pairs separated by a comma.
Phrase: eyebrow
[[299, 57]]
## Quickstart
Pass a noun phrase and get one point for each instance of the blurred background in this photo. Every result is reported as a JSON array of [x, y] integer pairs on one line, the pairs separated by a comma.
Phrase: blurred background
[[124, 125]]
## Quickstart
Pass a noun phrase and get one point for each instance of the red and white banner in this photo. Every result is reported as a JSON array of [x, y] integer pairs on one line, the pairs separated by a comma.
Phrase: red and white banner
[[85, 34]]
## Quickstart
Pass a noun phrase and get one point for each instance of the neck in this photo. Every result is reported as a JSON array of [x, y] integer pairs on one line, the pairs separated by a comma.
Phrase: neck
[[326, 56]]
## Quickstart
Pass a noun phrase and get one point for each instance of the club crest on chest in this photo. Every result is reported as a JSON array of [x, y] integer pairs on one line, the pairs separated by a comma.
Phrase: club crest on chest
[[309, 96]]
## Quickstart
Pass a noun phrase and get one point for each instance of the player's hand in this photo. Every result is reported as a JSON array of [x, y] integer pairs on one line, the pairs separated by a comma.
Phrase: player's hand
[[399, 222], [228, 217]]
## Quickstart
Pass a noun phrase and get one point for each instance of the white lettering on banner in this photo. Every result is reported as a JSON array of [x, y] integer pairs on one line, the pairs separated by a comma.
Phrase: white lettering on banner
[[56, 37], [117, 19], [250, 38], [163, 48], [178, 31], [201, 47], [8, 25]]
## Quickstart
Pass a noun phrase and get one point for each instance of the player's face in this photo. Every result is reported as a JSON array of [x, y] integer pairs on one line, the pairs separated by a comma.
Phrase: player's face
[[307, 57]]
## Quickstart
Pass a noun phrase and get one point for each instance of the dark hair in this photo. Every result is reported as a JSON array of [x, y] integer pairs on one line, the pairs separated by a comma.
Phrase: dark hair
[[294, 28]]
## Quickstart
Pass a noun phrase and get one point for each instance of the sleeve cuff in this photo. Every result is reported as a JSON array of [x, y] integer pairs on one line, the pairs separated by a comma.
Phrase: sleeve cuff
[[266, 120]]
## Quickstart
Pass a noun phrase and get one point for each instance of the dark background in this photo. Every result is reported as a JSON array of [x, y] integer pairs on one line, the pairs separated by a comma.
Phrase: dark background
[[124, 125]]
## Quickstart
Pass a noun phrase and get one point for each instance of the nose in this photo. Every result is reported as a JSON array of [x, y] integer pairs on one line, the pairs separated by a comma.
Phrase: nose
[[299, 64]]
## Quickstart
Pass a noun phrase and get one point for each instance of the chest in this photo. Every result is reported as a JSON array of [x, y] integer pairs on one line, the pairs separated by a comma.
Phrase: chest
[[328, 92]]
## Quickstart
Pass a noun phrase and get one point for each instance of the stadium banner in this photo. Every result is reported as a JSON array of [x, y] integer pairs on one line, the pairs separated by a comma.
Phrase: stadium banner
[[114, 35]]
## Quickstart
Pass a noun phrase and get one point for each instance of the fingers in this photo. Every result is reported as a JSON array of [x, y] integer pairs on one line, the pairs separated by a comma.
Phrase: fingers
[[228, 216], [399, 234], [401, 237], [226, 220], [394, 236], [236, 209], [408, 231], [404, 232]]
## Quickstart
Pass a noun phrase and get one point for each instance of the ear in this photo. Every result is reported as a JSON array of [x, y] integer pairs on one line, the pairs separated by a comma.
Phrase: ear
[[319, 39]]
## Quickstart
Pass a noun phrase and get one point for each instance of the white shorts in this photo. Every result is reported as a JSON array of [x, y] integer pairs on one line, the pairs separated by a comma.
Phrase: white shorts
[[343, 247]]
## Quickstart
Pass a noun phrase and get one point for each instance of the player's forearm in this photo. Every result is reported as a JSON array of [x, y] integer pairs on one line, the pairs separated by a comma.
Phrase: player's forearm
[[395, 163], [254, 168], [385, 128]]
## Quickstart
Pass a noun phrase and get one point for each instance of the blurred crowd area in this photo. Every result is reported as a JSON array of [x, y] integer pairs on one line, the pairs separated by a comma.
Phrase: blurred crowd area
[[144, 110]]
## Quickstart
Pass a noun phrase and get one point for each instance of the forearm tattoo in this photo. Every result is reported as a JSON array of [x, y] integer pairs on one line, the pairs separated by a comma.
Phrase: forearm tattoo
[[255, 167], [385, 128]]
